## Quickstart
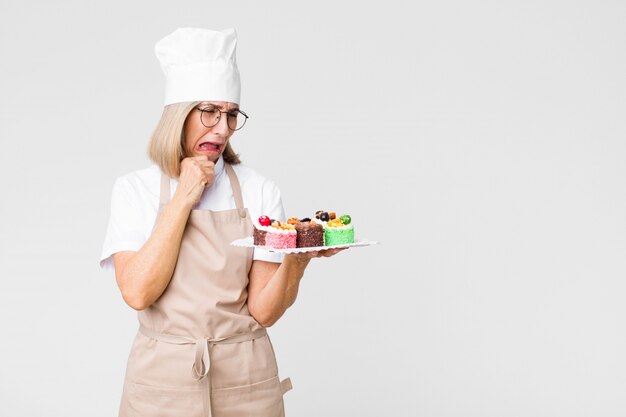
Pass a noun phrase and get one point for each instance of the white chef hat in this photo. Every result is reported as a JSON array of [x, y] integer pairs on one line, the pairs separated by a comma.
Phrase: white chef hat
[[199, 65]]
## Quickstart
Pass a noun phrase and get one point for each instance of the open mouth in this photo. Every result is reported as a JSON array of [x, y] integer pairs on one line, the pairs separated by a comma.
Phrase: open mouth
[[209, 147]]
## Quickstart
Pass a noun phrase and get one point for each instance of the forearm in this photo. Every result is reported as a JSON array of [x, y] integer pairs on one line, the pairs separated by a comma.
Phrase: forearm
[[149, 271], [281, 291]]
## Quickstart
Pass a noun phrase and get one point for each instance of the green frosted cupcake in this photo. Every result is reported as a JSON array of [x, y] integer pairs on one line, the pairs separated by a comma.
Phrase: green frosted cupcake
[[339, 231]]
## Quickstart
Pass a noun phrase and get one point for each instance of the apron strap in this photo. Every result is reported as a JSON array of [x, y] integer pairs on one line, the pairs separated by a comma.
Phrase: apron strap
[[285, 385], [234, 184]]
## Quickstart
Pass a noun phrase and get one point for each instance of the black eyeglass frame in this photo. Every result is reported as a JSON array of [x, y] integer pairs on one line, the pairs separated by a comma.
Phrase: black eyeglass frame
[[219, 118]]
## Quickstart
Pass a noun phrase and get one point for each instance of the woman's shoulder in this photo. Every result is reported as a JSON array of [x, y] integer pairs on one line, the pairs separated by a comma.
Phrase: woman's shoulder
[[143, 182]]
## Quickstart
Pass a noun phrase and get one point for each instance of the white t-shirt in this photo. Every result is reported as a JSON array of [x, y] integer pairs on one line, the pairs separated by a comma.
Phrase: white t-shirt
[[135, 203]]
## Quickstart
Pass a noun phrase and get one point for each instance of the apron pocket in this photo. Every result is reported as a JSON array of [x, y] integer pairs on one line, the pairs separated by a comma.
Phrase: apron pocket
[[261, 399], [146, 400]]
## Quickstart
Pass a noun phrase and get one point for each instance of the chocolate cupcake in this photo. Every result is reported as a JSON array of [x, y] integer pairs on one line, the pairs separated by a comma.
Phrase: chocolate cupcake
[[260, 230], [259, 235], [309, 234]]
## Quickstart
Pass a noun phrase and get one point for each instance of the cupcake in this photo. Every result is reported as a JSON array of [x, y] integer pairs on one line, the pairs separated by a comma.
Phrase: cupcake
[[339, 231], [260, 230], [309, 233], [281, 235]]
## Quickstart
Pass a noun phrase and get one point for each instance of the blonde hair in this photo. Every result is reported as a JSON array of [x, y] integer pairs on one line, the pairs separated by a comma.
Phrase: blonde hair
[[166, 147]]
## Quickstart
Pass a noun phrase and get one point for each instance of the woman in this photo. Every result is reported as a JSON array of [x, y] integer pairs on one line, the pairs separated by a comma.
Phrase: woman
[[203, 305]]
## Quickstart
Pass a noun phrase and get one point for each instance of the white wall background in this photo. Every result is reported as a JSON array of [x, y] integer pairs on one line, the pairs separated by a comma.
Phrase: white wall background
[[482, 142]]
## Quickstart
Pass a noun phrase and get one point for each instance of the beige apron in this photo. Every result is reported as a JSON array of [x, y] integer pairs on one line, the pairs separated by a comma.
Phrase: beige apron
[[198, 351]]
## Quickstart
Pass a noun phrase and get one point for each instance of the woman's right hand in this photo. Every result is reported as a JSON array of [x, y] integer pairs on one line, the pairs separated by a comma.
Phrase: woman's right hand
[[196, 173]]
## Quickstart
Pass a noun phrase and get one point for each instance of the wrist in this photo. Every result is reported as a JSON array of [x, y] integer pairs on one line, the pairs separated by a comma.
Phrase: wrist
[[181, 203], [296, 261]]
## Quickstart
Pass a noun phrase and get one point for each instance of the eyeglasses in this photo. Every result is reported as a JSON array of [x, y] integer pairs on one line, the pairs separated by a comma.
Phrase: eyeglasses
[[210, 116]]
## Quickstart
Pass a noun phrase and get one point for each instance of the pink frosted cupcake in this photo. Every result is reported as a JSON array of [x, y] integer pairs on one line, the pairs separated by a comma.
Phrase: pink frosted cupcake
[[281, 235]]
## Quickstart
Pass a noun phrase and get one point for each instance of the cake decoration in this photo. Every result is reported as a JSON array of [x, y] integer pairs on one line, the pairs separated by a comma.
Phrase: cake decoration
[[260, 232], [339, 231], [281, 235], [309, 234]]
